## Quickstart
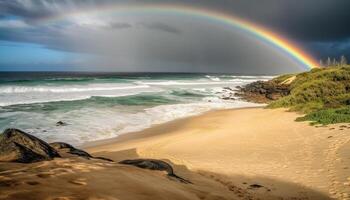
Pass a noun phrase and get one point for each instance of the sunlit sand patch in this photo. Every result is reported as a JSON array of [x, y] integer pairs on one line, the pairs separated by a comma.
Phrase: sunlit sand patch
[[61, 171], [60, 198], [11, 172], [45, 175], [83, 167], [79, 181], [2, 178]]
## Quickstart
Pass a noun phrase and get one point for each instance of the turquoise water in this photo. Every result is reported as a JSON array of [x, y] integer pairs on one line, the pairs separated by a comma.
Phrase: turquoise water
[[98, 106]]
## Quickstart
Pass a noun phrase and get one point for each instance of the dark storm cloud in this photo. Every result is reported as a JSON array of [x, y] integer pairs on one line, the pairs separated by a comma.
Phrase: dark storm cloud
[[321, 26], [311, 20], [26, 9]]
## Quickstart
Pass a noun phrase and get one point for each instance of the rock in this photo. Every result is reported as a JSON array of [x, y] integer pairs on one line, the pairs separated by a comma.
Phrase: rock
[[228, 98], [18, 146], [80, 153], [67, 148], [59, 146], [61, 123], [273, 96], [228, 88], [150, 164], [255, 186], [263, 91], [103, 158], [153, 164]]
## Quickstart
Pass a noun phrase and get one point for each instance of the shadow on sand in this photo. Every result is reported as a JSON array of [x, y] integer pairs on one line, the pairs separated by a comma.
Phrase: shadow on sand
[[240, 187]]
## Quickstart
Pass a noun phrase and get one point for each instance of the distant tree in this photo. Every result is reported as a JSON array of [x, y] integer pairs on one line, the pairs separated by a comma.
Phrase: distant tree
[[321, 63], [328, 62], [335, 62], [343, 61]]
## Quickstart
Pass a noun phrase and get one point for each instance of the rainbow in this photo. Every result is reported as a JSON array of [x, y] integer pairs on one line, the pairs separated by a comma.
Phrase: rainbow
[[261, 33]]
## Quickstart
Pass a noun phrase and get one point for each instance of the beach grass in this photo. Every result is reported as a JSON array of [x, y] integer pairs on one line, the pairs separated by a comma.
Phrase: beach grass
[[323, 94], [328, 116]]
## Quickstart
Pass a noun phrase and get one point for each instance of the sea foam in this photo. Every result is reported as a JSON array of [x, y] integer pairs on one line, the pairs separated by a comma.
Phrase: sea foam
[[100, 108]]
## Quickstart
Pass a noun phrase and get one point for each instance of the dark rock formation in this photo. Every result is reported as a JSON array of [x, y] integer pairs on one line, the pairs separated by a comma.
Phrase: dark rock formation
[[103, 158], [228, 98], [153, 164], [67, 148], [18, 146], [61, 123], [61, 146], [255, 186], [263, 91], [230, 89]]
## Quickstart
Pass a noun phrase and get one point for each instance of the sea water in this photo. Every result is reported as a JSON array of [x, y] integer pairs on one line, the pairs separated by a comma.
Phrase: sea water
[[104, 105]]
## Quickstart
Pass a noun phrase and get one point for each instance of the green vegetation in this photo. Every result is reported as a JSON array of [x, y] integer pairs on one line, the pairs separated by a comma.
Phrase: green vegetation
[[282, 78], [323, 94], [328, 116]]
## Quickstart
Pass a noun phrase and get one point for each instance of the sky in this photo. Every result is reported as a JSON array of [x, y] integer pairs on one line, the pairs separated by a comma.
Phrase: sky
[[39, 35]]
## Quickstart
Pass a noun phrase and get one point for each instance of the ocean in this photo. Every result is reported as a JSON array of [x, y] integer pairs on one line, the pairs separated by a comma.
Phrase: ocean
[[104, 105]]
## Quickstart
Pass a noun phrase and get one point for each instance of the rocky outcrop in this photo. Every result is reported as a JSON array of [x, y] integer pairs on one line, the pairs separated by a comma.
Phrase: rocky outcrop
[[61, 146], [153, 164], [263, 91], [61, 123], [18, 146], [67, 148]]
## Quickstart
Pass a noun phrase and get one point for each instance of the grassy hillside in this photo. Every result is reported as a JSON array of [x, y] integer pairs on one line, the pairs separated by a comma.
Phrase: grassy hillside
[[322, 94]]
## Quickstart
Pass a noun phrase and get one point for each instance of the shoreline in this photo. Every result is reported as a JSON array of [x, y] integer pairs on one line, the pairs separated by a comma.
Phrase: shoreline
[[145, 132]]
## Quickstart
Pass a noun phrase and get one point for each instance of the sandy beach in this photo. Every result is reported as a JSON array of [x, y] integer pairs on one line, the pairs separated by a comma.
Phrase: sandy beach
[[257, 145], [253, 153]]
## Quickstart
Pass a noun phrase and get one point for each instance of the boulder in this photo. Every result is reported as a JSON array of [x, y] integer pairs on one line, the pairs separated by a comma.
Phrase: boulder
[[154, 164], [70, 149], [67, 148], [61, 123], [61, 145], [18, 146]]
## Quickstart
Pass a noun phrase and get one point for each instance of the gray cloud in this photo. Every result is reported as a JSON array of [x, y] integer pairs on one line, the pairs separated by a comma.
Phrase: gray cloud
[[27, 9], [179, 43], [311, 20], [161, 27], [120, 25]]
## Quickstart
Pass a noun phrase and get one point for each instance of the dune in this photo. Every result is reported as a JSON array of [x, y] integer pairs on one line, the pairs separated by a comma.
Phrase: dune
[[253, 153]]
